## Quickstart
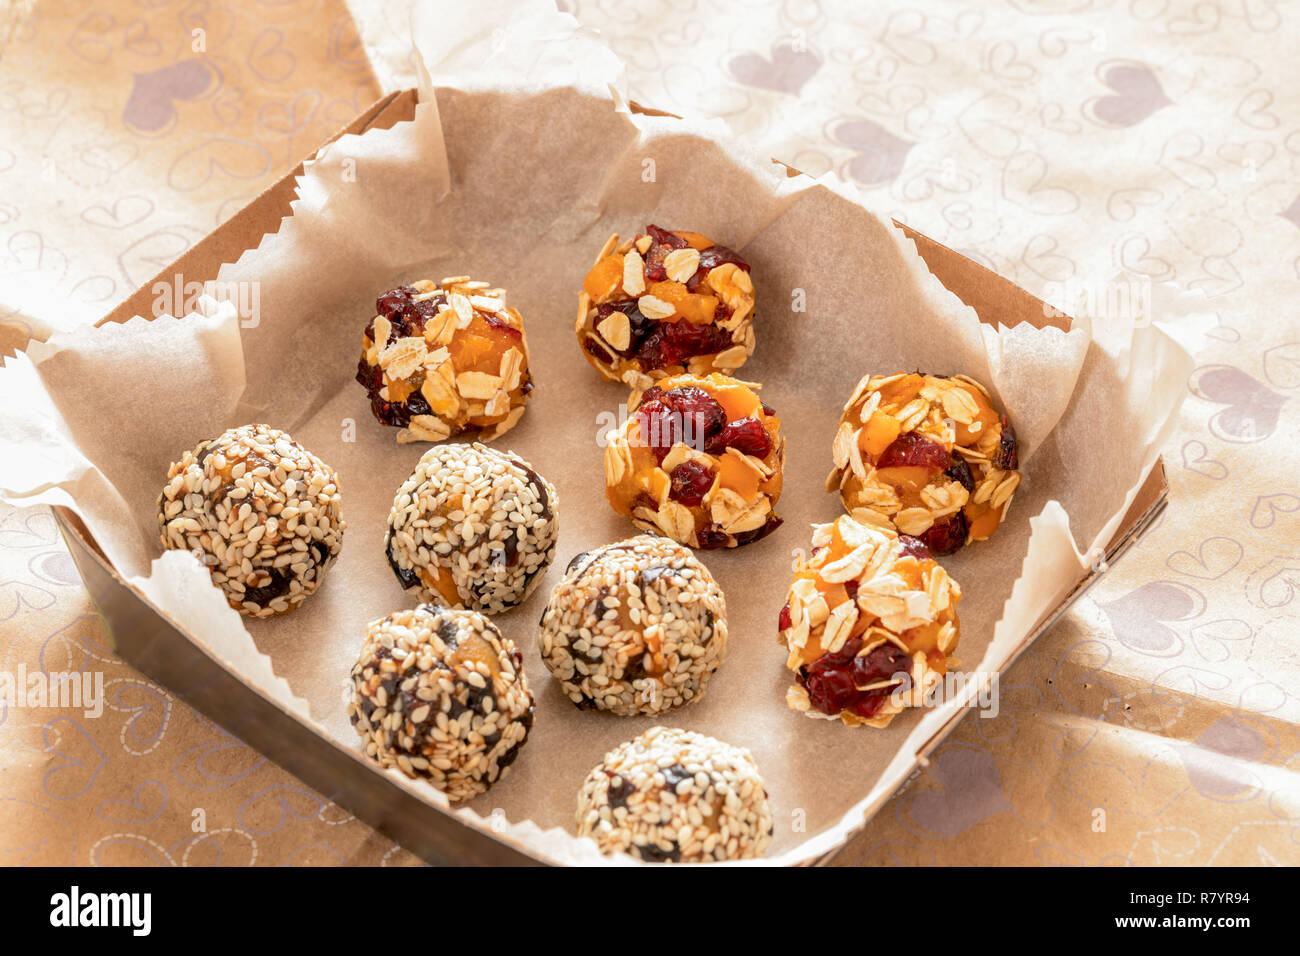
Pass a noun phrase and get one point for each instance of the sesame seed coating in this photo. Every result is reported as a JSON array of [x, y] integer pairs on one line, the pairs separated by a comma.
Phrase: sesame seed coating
[[472, 527], [635, 627], [675, 796], [261, 511], [441, 694]]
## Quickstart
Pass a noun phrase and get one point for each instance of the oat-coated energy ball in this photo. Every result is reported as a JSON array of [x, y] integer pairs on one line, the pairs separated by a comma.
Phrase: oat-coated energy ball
[[261, 510], [446, 358], [870, 624], [673, 796], [926, 455], [635, 627], [663, 303], [473, 528], [440, 694], [699, 460]]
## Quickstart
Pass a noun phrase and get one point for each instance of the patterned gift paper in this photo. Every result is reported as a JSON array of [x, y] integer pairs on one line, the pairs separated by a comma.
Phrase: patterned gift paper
[[1086, 150]]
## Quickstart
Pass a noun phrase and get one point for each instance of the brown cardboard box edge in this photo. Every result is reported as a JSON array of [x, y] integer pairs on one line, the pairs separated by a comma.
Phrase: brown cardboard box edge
[[152, 643]]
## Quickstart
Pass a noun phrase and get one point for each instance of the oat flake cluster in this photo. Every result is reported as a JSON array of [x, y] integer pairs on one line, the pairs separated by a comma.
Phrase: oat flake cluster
[[636, 627], [261, 511], [441, 359], [441, 694], [927, 456], [673, 796], [868, 610], [472, 527]]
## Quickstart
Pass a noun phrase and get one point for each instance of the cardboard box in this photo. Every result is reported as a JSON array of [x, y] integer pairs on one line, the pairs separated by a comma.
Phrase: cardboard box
[[150, 641]]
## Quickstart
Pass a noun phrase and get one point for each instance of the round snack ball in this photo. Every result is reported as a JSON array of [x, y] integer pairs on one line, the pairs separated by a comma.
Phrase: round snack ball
[[926, 455], [870, 624], [441, 694], [674, 796], [473, 528], [700, 461], [445, 358], [636, 627], [261, 512], [663, 303]]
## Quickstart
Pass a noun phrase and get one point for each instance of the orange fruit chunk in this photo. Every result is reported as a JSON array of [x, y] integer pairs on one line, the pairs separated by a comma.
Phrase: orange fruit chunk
[[738, 401], [902, 390], [738, 476], [693, 307], [694, 239], [983, 521], [907, 480], [878, 434], [606, 273]]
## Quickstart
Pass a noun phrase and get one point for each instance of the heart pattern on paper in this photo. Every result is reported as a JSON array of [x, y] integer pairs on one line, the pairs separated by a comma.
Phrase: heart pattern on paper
[[1141, 618], [1253, 408], [969, 792], [881, 154], [786, 70], [1137, 94], [1213, 559], [151, 106]]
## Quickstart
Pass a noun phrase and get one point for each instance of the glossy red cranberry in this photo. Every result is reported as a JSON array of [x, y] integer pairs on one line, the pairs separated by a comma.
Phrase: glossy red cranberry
[[691, 481], [710, 259], [1007, 456], [912, 449], [687, 414], [596, 351], [783, 622], [959, 471], [914, 547], [832, 681], [746, 435], [851, 588], [946, 535], [392, 302], [672, 343]]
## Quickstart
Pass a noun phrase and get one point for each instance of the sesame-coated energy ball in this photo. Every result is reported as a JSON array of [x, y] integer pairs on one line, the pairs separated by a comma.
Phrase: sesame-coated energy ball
[[870, 624], [927, 456], [441, 359], [441, 694], [261, 511], [636, 627], [664, 303], [473, 528], [673, 796], [700, 460]]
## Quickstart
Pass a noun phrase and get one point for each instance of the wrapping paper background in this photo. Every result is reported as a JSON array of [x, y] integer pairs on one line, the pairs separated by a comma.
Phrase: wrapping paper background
[[1026, 138]]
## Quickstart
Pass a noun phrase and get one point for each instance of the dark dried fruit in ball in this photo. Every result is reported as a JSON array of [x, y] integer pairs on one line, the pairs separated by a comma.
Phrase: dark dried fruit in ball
[[947, 534], [1007, 457], [911, 449], [914, 547], [672, 343], [746, 435], [691, 481], [959, 471]]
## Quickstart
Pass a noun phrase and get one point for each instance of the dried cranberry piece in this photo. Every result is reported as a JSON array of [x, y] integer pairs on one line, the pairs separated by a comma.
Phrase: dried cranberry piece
[[693, 402], [773, 522], [831, 691], [912, 449], [688, 414], [659, 427], [672, 343], [851, 588], [879, 664], [593, 348], [746, 435], [959, 471], [497, 323], [394, 301], [947, 535], [1007, 456], [691, 481], [914, 548], [783, 622], [651, 393], [712, 537], [664, 243], [711, 258]]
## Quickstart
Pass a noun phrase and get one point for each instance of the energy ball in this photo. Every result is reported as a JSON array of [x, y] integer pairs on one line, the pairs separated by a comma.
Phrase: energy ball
[[260, 511], [472, 528], [700, 460], [445, 358], [636, 627], [664, 303], [927, 456], [674, 796], [870, 624], [441, 694]]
